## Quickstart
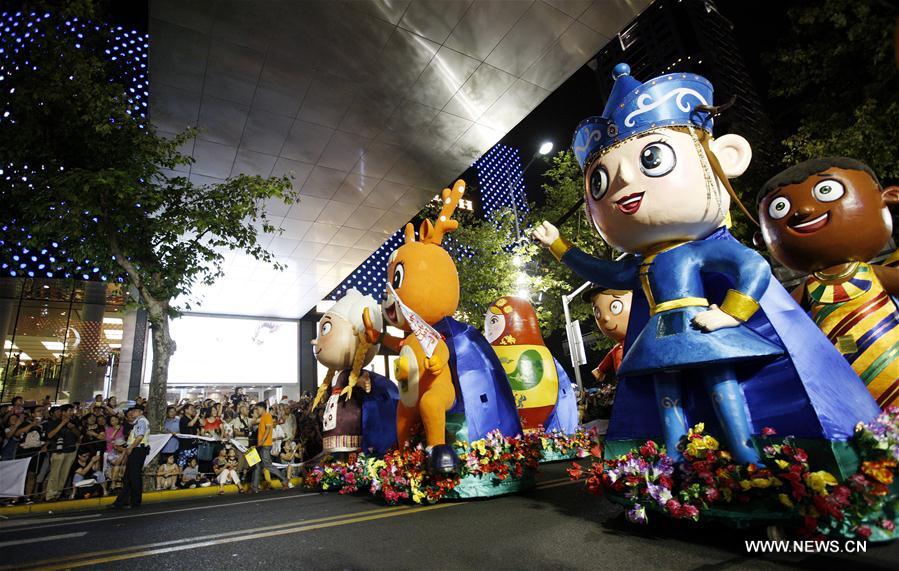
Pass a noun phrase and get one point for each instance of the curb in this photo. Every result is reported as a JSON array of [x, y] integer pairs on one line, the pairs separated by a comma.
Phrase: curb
[[148, 498]]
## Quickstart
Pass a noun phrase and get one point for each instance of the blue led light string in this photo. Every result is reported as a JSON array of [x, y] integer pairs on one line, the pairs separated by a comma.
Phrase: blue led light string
[[18, 31], [497, 169]]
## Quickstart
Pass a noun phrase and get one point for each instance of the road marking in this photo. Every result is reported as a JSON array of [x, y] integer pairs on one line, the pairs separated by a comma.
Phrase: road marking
[[159, 512], [120, 550], [549, 485], [548, 482], [39, 539], [51, 519], [93, 559]]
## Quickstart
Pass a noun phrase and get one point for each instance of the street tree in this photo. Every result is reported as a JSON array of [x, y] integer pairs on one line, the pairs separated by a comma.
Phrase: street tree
[[834, 81], [564, 188], [83, 167]]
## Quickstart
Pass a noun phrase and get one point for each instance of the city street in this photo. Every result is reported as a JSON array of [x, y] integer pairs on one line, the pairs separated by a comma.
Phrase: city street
[[557, 525]]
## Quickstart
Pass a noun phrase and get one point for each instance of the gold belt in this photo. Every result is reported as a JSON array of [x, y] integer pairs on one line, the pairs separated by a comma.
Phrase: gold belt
[[679, 303]]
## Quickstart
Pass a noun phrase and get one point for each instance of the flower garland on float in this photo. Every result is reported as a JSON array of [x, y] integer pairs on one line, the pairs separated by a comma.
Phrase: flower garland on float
[[864, 505], [401, 474]]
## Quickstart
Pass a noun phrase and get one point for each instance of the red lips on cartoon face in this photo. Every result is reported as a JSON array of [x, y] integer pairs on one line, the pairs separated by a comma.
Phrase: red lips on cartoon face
[[630, 204], [812, 225]]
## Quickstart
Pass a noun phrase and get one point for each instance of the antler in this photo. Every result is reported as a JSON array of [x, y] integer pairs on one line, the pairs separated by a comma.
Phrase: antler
[[443, 223]]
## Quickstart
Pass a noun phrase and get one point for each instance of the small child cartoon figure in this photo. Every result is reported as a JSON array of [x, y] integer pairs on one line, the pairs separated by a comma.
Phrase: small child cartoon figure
[[828, 217], [611, 309]]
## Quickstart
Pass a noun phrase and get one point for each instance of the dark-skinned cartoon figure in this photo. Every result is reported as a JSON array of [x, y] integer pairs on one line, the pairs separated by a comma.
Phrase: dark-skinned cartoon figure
[[827, 217], [712, 337]]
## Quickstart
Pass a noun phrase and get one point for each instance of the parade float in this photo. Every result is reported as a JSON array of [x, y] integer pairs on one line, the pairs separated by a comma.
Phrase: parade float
[[543, 392], [827, 218], [726, 386], [360, 419], [458, 433]]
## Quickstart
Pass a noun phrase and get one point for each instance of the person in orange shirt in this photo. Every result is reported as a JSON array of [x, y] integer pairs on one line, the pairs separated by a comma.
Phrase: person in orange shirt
[[264, 447]]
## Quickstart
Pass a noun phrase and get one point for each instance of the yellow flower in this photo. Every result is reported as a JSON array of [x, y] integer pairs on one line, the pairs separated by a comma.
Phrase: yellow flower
[[762, 482], [818, 481], [699, 428], [785, 500], [479, 446], [745, 484], [880, 471], [696, 445], [782, 464]]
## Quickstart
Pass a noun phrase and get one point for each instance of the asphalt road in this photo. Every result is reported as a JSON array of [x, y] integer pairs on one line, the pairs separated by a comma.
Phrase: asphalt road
[[555, 526]]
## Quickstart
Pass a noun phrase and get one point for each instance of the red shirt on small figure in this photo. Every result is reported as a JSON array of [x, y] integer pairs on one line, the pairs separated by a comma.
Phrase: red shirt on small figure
[[611, 309]]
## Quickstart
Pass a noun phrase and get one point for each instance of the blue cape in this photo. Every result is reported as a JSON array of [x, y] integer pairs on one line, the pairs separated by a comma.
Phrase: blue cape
[[564, 416], [379, 414], [480, 381], [808, 392]]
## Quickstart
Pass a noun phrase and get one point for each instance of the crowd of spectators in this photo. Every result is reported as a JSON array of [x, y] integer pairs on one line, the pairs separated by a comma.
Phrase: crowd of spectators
[[77, 450]]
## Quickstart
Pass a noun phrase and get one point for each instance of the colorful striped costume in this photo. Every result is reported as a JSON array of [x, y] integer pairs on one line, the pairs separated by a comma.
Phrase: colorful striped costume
[[862, 321]]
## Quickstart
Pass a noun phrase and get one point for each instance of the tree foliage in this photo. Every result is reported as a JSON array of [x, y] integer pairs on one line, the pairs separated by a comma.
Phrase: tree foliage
[[490, 262], [835, 84], [563, 188], [83, 169]]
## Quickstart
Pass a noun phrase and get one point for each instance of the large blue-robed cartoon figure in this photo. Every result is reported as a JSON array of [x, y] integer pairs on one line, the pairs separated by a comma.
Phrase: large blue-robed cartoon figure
[[713, 337]]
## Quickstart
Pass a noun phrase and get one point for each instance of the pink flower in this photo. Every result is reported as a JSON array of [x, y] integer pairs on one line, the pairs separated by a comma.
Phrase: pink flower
[[863, 531], [768, 431]]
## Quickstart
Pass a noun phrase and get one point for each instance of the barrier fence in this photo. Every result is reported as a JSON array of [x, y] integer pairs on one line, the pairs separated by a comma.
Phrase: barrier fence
[[14, 473]]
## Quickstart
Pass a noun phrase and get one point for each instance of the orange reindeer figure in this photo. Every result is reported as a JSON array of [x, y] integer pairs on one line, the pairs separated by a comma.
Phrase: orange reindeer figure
[[422, 277]]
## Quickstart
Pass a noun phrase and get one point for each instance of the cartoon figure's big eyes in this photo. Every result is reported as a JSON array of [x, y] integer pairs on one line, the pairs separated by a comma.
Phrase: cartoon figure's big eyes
[[326, 328], [599, 182], [657, 159], [779, 207], [829, 190], [616, 307], [494, 327], [399, 272]]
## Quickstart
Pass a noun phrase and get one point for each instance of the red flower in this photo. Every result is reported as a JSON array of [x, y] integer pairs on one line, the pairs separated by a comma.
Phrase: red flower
[[863, 531], [840, 495], [666, 481], [800, 455], [768, 431], [672, 506], [575, 472], [827, 507], [649, 449], [857, 482]]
